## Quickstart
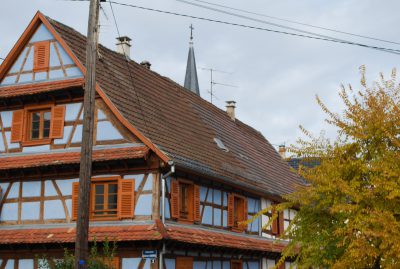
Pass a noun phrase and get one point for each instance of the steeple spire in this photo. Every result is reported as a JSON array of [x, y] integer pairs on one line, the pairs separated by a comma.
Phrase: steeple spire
[[191, 81]]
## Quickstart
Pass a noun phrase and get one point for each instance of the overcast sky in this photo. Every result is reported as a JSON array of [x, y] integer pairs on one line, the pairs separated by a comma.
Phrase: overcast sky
[[277, 76]]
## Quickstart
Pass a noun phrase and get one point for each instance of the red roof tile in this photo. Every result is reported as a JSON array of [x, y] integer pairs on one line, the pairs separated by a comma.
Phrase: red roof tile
[[27, 89], [184, 125], [59, 158], [67, 235], [214, 238], [189, 235]]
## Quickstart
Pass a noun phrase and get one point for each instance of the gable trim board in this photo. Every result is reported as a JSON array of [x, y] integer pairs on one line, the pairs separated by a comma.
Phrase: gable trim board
[[18, 48], [263, 173]]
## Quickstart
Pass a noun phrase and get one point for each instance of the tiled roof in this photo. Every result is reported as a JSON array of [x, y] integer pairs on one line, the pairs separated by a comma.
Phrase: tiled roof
[[28, 89], [295, 163], [156, 231], [46, 159], [183, 125], [222, 239], [67, 235]]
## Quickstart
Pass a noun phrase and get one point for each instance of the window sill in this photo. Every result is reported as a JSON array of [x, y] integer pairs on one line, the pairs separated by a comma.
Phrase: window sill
[[237, 230], [185, 221], [36, 142], [92, 218]]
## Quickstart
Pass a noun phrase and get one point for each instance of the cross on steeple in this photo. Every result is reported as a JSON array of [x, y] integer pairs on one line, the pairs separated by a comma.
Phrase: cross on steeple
[[191, 31]]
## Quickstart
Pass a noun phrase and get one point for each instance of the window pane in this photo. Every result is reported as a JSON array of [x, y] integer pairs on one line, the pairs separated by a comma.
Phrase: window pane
[[217, 197], [47, 116], [99, 201], [35, 134], [46, 133], [99, 189], [112, 188], [35, 116], [35, 125], [112, 201]]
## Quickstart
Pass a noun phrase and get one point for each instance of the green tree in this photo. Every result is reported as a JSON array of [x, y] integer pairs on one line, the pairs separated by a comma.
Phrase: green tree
[[349, 214]]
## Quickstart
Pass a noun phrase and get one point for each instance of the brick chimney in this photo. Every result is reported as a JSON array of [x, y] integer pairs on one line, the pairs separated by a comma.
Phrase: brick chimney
[[230, 109], [124, 45], [282, 151]]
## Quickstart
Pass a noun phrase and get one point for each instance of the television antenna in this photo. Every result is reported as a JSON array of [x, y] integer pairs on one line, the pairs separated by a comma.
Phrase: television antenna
[[212, 82]]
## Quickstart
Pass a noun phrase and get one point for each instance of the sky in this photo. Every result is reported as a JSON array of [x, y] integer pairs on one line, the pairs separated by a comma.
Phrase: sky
[[276, 77]]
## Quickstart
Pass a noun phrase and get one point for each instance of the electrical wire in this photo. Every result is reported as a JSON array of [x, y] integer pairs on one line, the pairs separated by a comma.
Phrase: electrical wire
[[299, 23], [261, 21], [129, 68], [383, 49]]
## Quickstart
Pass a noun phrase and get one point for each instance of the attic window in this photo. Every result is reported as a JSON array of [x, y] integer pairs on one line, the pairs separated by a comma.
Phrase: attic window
[[220, 144]]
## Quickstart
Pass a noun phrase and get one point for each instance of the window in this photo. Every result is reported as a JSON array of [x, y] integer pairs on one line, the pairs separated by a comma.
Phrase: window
[[105, 199], [185, 201], [277, 226], [237, 212], [214, 207], [110, 198], [37, 125], [236, 265]]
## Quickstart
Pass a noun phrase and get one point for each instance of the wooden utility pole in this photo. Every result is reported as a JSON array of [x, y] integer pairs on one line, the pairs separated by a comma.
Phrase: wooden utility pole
[[85, 172]]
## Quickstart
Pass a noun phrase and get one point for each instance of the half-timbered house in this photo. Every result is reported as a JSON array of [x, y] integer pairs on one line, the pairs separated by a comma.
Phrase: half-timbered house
[[171, 172]]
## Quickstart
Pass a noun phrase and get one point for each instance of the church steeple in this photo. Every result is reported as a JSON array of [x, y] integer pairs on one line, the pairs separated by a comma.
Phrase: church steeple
[[191, 81]]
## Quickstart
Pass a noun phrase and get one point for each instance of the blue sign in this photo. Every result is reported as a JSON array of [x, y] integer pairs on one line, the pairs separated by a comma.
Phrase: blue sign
[[149, 254]]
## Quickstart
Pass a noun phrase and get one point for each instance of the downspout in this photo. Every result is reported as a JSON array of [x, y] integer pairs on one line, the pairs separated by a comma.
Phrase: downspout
[[163, 182]]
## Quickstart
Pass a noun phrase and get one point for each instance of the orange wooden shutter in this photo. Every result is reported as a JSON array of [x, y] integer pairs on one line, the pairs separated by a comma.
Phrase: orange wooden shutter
[[282, 266], [236, 265], [57, 122], [41, 56], [184, 263], [245, 213], [126, 198], [17, 126], [115, 263], [75, 200], [275, 228], [281, 223], [196, 202], [174, 199], [231, 210]]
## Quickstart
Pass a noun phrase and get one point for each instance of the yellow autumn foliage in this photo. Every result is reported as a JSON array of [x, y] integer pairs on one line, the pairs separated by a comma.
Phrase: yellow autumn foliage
[[349, 214]]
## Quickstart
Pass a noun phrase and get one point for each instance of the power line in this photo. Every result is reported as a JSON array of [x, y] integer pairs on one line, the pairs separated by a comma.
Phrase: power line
[[260, 21], [128, 66], [388, 50], [299, 23], [265, 22]]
